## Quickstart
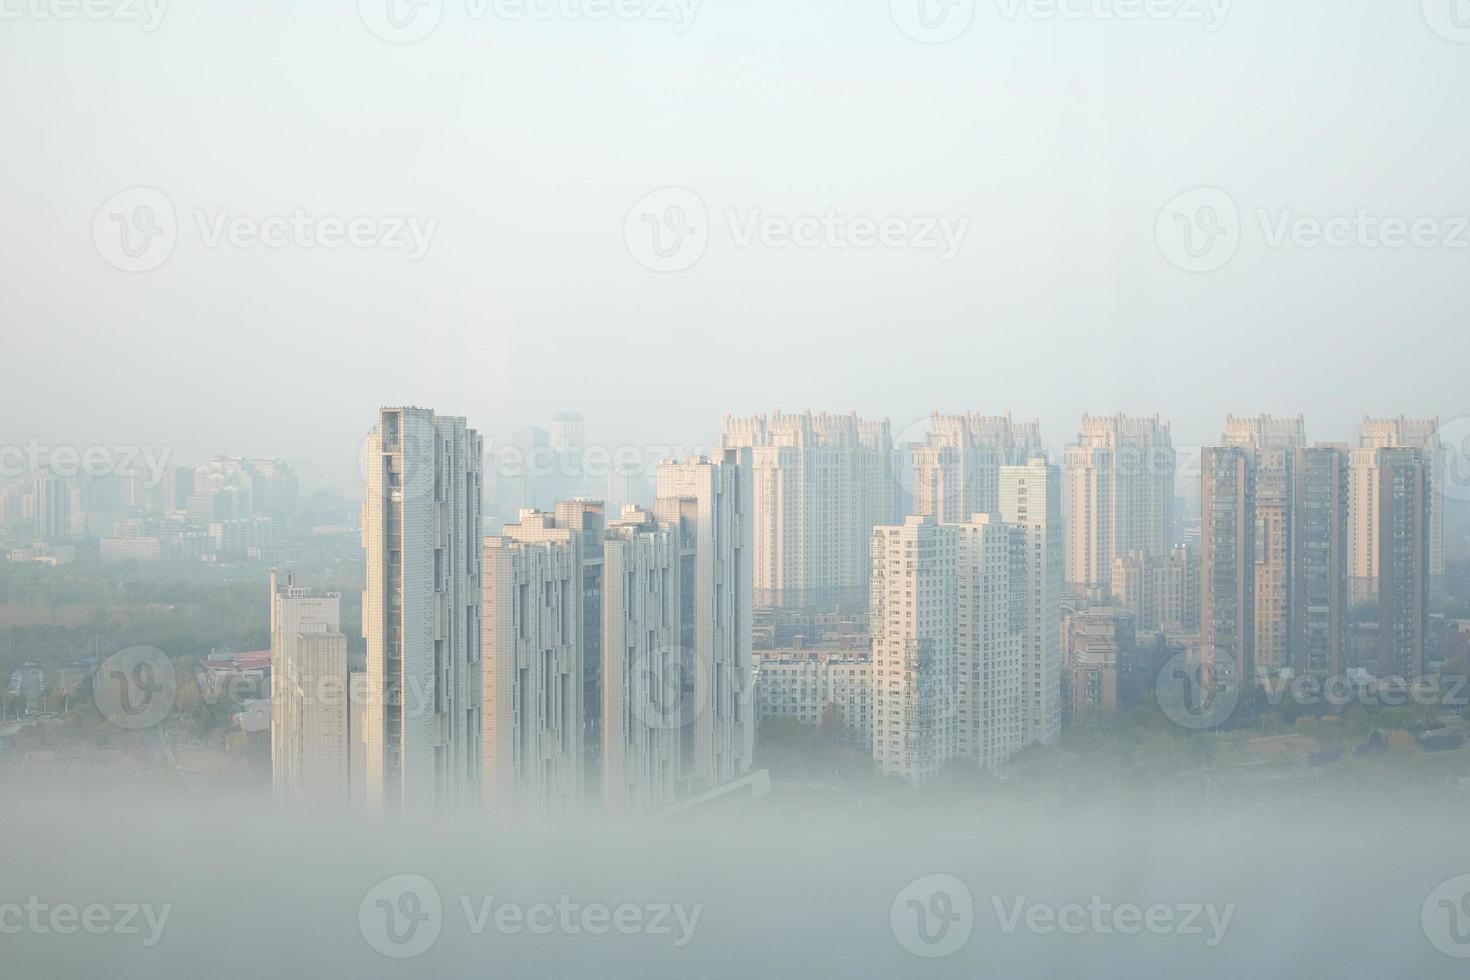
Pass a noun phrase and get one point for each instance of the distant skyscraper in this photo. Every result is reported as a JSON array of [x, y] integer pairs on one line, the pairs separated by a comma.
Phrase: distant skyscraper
[[1320, 554], [709, 502], [422, 612], [1405, 533], [642, 674], [821, 483], [532, 677], [1118, 497], [1227, 562], [310, 763], [957, 468], [51, 500], [1396, 433], [1031, 499]]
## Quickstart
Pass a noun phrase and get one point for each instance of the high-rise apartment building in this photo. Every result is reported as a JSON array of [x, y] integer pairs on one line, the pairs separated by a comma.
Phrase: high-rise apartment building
[[532, 672], [821, 483], [642, 678], [708, 502], [581, 521], [1100, 642], [1118, 496], [949, 604], [1275, 442], [51, 505], [1031, 500], [310, 765], [957, 467], [421, 612], [1405, 530], [1319, 561], [1395, 433], [1162, 593], [1227, 562]]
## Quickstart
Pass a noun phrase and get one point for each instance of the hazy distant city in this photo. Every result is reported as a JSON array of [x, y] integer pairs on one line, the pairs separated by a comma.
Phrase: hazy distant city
[[666, 488]]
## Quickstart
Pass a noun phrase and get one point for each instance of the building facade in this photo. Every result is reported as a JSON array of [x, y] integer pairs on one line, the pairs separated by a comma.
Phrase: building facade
[[820, 484], [310, 763], [421, 613], [708, 503]]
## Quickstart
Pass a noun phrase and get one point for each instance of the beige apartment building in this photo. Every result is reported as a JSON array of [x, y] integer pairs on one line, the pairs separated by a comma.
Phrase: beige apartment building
[[1275, 443], [310, 753], [957, 467], [1162, 593], [1118, 497], [820, 484], [532, 674], [1227, 562], [1031, 500], [1364, 531]]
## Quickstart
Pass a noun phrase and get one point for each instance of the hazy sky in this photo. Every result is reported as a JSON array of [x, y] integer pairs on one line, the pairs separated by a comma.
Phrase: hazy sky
[[522, 144]]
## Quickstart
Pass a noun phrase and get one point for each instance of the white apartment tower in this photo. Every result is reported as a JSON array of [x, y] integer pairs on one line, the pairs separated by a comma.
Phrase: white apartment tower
[[820, 484], [947, 616], [421, 613], [957, 468], [1118, 496], [1031, 499], [309, 697], [642, 675], [532, 673], [708, 502]]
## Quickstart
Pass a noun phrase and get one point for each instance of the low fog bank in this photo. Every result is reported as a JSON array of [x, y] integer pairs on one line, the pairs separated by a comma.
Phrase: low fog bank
[[90, 887]]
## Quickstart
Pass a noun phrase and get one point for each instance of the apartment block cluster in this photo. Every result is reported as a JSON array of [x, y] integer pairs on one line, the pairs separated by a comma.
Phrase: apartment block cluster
[[573, 662], [943, 603], [1291, 535], [230, 508]]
